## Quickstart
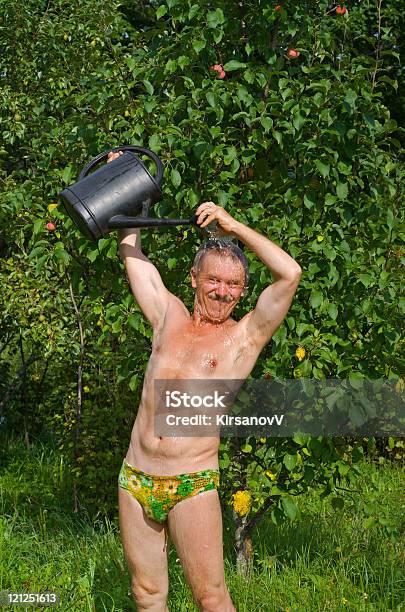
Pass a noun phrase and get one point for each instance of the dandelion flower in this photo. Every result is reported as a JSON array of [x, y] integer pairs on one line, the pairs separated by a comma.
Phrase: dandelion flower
[[241, 502], [300, 353]]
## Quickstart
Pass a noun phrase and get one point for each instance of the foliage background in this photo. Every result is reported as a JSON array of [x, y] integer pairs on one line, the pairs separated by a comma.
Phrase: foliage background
[[306, 151]]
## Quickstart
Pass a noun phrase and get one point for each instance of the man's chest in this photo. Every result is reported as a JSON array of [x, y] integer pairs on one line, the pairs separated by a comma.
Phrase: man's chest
[[180, 352]]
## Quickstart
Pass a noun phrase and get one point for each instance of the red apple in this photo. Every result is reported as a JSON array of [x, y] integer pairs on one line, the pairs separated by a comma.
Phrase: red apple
[[219, 70], [292, 53], [50, 226]]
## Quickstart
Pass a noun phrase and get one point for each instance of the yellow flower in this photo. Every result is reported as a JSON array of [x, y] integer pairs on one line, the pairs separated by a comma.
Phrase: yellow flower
[[52, 207], [399, 387], [300, 353], [270, 475], [86, 389], [241, 502], [262, 440], [319, 238], [344, 601]]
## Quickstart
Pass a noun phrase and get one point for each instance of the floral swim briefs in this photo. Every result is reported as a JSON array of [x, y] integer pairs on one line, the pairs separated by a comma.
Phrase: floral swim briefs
[[159, 494]]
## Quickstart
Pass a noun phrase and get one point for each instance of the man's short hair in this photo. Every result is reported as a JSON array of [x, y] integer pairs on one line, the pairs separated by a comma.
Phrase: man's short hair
[[222, 246]]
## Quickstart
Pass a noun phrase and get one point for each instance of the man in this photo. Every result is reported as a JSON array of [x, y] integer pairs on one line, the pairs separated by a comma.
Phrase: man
[[171, 483]]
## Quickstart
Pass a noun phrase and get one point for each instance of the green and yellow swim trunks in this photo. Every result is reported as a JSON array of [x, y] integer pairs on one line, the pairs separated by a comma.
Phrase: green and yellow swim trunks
[[159, 494]]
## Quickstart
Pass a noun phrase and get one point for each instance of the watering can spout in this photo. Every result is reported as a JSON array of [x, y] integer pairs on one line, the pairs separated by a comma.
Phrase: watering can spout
[[121, 221]]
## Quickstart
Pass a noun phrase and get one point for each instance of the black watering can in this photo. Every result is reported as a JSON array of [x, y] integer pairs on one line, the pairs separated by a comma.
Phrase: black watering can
[[112, 196]]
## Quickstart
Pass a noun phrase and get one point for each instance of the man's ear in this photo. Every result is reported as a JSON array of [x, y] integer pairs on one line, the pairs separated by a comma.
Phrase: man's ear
[[193, 274]]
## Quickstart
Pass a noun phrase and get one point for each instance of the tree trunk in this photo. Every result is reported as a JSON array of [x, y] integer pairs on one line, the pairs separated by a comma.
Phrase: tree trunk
[[243, 546]]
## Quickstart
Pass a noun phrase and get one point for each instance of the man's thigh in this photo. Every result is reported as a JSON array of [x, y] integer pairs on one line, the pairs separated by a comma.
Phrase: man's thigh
[[195, 526], [145, 545]]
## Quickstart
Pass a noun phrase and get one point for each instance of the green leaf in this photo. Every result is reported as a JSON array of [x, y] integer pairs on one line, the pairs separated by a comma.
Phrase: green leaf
[[267, 123], [193, 11], [324, 169], [215, 131], [290, 461], [63, 255], [316, 299], [298, 121], [279, 138], [366, 279], [67, 174], [211, 99], [356, 380], [330, 199], [92, 255], [234, 65], [369, 119], [333, 311], [175, 177], [148, 86], [342, 191], [133, 383], [215, 18], [40, 263], [244, 96], [309, 201], [199, 45], [247, 448], [289, 507], [350, 98], [36, 251], [171, 66], [134, 320], [162, 10]]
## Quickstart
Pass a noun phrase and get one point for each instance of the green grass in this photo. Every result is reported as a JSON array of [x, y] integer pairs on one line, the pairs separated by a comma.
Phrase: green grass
[[325, 560]]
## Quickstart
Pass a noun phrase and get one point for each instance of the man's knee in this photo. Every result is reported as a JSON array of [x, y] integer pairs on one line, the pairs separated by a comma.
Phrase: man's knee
[[215, 599], [148, 594]]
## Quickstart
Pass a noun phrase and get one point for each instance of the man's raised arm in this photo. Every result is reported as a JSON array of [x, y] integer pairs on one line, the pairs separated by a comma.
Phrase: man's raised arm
[[144, 278], [274, 302]]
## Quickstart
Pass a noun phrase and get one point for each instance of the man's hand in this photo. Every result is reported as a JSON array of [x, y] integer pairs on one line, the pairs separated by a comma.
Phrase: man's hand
[[208, 212], [113, 155]]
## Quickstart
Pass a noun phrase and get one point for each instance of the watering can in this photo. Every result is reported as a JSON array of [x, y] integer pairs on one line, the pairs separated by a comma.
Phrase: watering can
[[118, 194]]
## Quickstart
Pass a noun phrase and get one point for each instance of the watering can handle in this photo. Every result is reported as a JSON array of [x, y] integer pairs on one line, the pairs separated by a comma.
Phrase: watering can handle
[[101, 156]]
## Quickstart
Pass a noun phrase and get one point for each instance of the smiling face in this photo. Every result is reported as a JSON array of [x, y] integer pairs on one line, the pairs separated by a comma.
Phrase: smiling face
[[219, 284]]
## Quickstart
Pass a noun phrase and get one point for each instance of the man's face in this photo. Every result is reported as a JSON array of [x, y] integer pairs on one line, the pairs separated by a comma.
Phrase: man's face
[[219, 285]]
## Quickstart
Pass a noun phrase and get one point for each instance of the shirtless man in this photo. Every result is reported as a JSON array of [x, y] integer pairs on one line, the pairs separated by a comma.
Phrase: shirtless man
[[170, 484]]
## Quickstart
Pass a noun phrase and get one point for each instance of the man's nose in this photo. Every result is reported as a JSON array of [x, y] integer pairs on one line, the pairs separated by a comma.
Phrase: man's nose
[[222, 289]]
